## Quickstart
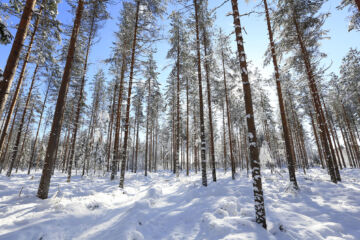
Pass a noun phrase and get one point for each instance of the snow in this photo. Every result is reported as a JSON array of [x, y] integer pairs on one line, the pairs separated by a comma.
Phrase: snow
[[164, 207]]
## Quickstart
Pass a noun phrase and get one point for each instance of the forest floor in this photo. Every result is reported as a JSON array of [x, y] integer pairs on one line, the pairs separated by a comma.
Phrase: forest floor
[[162, 207]]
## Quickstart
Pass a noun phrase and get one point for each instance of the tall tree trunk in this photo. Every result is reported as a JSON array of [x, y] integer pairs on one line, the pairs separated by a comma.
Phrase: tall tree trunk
[[228, 115], [111, 128], [254, 152], [202, 125], [137, 144], [316, 101], [224, 137], [32, 155], [208, 86], [177, 150], [116, 153], [59, 109], [187, 126], [3, 154], [285, 127], [317, 140], [14, 56], [147, 128], [19, 131], [24, 139], [127, 118], [81, 94]]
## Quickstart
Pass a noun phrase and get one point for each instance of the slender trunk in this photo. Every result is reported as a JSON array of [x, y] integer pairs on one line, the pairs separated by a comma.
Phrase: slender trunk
[[316, 102], [147, 128], [202, 125], [208, 86], [116, 153], [111, 129], [224, 138], [66, 139], [285, 127], [32, 155], [187, 126], [14, 56], [3, 154], [59, 109], [19, 131], [137, 145], [127, 118], [24, 139], [228, 115], [82, 86], [133, 147], [254, 152], [317, 139]]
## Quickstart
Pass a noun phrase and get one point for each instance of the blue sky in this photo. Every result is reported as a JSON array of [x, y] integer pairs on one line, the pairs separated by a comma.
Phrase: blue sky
[[256, 39]]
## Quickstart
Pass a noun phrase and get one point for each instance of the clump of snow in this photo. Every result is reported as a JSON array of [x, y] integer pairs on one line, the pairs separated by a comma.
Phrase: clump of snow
[[163, 207]]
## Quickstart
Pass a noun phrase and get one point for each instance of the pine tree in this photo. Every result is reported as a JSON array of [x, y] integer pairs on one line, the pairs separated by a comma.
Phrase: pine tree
[[290, 160], [59, 109], [254, 152], [201, 111], [14, 56]]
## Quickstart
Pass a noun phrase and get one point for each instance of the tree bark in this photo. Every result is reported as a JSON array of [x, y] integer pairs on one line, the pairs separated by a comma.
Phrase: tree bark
[[228, 115], [254, 152], [208, 86], [59, 109], [21, 125], [3, 97], [202, 125], [111, 129], [285, 127], [127, 118], [81, 94], [116, 153], [316, 102], [14, 56], [3, 154], [187, 126], [32, 155]]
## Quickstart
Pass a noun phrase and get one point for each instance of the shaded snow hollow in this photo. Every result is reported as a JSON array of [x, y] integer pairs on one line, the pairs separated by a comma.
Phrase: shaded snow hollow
[[163, 207]]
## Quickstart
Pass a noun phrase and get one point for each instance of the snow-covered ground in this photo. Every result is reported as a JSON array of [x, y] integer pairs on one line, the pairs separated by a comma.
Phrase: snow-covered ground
[[163, 207]]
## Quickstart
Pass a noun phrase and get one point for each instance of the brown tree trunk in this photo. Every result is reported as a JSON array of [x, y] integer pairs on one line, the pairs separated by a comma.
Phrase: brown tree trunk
[[137, 145], [3, 154], [177, 150], [228, 115], [81, 94], [19, 83], [111, 128], [317, 139], [18, 162], [202, 125], [208, 86], [316, 101], [358, 4], [116, 153], [127, 118], [254, 152], [14, 56], [285, 127], [19, 131], [59, 109], [147, 128], [224, 137], [38, 129], [187, 126]]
